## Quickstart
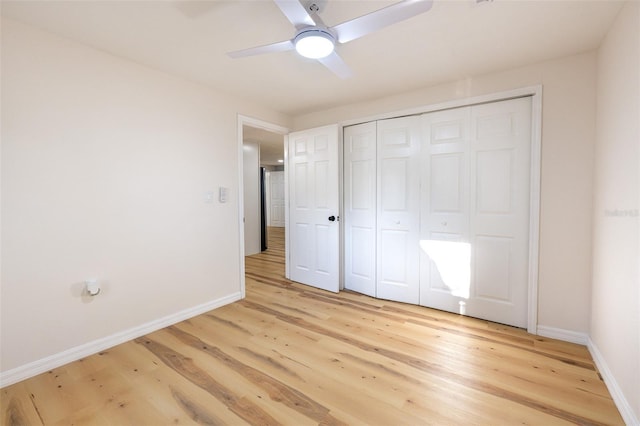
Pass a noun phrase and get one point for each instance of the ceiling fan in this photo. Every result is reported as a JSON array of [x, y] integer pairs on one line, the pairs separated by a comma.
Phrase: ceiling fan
[[313, 39]]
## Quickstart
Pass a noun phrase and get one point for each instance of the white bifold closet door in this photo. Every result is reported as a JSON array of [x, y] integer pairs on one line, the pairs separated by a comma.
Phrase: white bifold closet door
[[474, 232], [381, 209], [443, 218], [398, 213], [360, 208]]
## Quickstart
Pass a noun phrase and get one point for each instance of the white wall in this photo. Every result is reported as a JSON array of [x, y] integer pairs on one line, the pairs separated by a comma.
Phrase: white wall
[[251, 184], [615, 322], [105, 166], [568, 137]]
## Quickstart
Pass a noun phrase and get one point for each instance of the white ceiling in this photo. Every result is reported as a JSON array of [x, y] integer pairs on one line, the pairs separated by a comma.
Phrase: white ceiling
[[455, 40]]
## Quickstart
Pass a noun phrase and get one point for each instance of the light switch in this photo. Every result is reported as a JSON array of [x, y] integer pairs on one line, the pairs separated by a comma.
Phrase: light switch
[[223, 194], [209, 197]]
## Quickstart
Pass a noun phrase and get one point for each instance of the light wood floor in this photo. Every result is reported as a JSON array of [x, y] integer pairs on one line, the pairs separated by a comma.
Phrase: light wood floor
[[289, 354]]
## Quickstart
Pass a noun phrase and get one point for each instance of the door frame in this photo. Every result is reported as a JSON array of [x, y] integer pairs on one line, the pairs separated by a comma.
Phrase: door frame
[[244, 120], [535, 92]]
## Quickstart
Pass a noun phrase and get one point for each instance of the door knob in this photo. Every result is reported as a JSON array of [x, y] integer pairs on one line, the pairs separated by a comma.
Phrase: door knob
[[332, 218]]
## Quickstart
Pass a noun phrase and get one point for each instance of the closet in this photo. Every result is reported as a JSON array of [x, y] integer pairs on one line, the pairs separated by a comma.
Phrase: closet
[[436, 209]]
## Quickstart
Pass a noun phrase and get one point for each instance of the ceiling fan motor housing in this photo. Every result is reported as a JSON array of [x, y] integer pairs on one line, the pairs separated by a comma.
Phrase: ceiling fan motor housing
[[314, 42]]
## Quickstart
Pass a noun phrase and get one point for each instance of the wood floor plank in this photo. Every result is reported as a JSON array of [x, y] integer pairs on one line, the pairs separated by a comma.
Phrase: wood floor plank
[[185, 366], [304, 361], [18, 407], [290, 354]]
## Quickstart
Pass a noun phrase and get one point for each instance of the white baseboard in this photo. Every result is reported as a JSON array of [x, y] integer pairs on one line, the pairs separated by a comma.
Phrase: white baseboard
[[565, 335], [45, 364], [621, 402]]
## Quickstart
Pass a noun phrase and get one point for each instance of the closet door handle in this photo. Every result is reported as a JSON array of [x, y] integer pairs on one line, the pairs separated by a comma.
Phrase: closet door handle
[[332, 218]]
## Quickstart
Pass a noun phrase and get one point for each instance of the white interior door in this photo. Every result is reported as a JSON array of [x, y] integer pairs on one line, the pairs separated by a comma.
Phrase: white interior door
[[314, 205], [360, 208], [475, 215], [398, 213], [276, 199]]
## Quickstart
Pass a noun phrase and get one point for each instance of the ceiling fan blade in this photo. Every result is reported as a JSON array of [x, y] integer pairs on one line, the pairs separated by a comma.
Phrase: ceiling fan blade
[[295, 13], [269, 48], [335, 63], [379, 19]]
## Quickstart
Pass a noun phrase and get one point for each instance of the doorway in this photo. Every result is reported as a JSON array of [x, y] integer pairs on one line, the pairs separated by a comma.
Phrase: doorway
[[261, 151]]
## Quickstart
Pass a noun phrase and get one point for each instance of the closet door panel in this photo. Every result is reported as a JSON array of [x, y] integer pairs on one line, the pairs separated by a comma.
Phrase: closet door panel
[[398, 182], [394, 178], [394, 245], [500, 167], [444, 213], [447, 187], [445, 269], [360, 208], [492, 264]]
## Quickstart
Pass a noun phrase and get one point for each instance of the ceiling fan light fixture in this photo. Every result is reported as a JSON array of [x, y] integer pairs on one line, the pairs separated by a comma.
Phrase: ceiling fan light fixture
[[314, 43]]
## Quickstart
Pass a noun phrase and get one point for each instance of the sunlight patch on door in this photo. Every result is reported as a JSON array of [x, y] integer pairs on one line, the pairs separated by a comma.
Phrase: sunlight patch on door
[[453, 261]]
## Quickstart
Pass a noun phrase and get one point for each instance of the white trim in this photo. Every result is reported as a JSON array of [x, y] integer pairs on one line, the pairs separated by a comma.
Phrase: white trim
[[260, 124], [54, 361], [534, 208], [241, 206], [614, 389], [456, 103], [287, 243], [341, 232], [564, 335], [267, 197], [536, 145]]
